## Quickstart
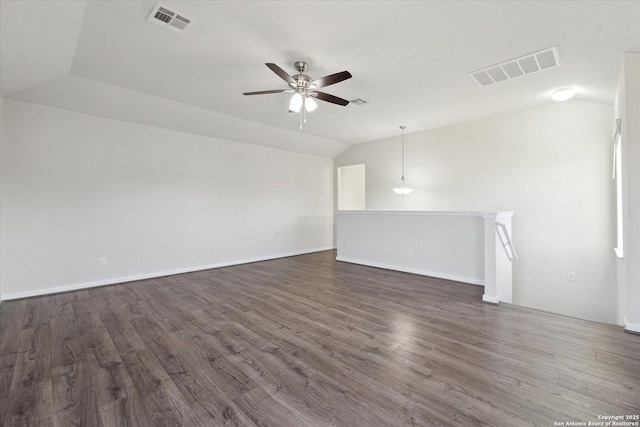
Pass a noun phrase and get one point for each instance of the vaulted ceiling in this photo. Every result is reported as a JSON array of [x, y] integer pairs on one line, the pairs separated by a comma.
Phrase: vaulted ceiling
[[409, 61]]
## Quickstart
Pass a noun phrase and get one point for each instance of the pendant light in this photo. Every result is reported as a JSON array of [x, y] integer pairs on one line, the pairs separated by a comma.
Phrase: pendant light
[[403, 189]]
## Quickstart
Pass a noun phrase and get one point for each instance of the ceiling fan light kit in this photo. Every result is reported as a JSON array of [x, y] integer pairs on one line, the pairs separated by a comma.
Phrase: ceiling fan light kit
[[304, 89]]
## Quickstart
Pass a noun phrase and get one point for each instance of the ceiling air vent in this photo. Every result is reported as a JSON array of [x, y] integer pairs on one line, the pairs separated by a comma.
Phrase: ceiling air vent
[[358, 101], [527, 64], [169, 19]]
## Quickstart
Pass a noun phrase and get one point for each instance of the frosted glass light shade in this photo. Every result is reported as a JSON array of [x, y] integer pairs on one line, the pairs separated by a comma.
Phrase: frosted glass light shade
[[563, 94], [296, 103], [403, 190], [310, 104]]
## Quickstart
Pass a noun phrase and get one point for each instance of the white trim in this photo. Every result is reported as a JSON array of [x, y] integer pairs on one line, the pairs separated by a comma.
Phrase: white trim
[[471, 280], [632, 328], [483, 214], [491, 300], [619, 253], [497, 215], [117, 280], [423, 213], [618, 177]]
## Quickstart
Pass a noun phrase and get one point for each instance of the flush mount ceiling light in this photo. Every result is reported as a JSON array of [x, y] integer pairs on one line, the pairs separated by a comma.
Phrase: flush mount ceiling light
[[403, 189], [304, 89], [563, 94]]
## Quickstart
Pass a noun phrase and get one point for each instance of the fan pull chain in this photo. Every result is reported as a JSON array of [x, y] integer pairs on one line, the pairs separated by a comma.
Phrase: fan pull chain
[[304, 107]]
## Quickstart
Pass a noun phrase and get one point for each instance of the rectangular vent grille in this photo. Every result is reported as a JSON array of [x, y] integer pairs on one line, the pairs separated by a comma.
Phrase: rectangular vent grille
[[358, 101], [169, 19], [527, 64]]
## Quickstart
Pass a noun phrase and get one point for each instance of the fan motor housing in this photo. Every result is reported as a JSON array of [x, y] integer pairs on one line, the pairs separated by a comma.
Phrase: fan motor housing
[[302, 81]]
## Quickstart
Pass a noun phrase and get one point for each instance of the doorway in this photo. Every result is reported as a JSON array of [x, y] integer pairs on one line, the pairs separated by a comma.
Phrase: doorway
[[351, 188]]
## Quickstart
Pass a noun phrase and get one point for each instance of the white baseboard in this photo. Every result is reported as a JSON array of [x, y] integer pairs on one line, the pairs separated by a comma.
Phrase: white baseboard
[[134, 278], [632, 328], [471, 280], [490, 299]]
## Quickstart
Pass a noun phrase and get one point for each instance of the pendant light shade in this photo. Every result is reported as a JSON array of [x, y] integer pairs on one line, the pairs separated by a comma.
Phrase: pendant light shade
[[402, 189]]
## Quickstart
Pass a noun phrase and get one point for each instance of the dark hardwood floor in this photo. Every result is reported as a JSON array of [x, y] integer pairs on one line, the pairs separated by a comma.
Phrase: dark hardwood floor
[[305, 341]]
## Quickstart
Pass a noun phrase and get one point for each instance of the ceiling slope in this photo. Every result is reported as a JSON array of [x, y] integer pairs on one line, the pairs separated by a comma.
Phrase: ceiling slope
[[113, 102], [38, 41]]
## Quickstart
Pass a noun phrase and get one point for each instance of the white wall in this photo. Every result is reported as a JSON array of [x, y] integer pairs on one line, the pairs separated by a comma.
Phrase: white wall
[[152, 201], [1, 132], [550, 164], [427, 243]]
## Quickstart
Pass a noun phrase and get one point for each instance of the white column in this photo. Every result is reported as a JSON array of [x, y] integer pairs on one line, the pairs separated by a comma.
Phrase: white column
[[631, 191], [497, 258]]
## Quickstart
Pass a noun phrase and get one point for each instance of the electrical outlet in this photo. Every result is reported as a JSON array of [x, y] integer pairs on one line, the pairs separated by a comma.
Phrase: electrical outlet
[[571, 276], [102, 262], [410, 253]]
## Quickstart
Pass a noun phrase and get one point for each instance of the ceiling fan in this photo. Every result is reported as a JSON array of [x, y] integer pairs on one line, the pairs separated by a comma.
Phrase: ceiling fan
[[304, 88]]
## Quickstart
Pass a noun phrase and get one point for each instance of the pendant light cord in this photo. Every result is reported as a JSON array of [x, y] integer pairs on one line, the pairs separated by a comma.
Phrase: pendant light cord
[[402, 129], [403, 189]]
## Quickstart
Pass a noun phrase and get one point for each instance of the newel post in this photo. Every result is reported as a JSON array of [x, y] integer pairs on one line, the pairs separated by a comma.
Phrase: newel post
[[499, 254]]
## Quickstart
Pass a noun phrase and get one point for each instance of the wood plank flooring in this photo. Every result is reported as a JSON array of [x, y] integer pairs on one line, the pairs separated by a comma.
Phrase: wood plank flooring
[[305, 341]]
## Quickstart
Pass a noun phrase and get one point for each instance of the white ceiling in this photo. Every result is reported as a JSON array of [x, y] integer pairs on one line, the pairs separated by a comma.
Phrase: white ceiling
[[409, 60]]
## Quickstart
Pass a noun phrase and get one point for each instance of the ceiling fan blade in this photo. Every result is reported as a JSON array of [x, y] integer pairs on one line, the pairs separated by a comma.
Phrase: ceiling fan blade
[[282, 73], [264, 92], [332, 79], [330, 98]]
